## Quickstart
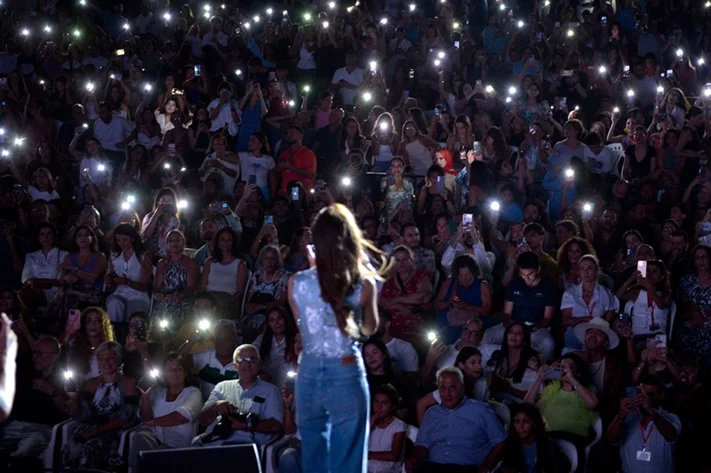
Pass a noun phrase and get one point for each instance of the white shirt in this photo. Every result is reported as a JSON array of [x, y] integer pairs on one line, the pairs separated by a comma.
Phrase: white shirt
[[642, 319], [603, 300], [257, 167], [354, 78], [110, 134], [143, 22], [221, 39], [131, 270], [381, 440], [188, 404], [41, 266], [224, 117], [100, 178], [404, 44], [403, 355], [37, 194], [206, 361], [599, 163]]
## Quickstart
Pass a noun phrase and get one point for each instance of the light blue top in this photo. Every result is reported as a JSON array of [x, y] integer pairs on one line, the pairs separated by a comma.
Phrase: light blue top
[[320, 334], [662, 452], [463, 436]]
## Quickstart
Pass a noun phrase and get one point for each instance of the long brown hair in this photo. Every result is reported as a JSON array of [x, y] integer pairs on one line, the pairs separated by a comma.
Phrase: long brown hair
[[341, 260]]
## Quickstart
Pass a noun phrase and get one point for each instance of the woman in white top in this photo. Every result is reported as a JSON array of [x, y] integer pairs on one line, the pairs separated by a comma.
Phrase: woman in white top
[[40, 274], [305, 46], [275, 345], [587, 300], [416, 149], [652, 300], [224, 274], [129, 275], [257, 167], [163, 115], [149, 131], [169, 410], [93, 169], [42, 187], [386, 444]]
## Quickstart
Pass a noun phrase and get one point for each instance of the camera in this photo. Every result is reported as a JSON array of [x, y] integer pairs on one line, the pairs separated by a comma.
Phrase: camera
[[140, 331], [223, 429]]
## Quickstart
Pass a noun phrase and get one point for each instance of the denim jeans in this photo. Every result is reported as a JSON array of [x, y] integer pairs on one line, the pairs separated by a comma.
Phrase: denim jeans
[[332, 408]]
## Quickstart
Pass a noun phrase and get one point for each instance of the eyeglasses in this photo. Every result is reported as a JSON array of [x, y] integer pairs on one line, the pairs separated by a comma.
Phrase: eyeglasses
[[249, 359]]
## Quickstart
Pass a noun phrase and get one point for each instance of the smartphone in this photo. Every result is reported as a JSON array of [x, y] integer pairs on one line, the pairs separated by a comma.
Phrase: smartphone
[[539, 37], [70, 384], [269, 219], [463, 155], [562, 103], [567, 73], [660, 341], [238, 31], [603, 21], [624, 319], [225, 206], [555, 373], [476, 147], [120, 52], [290, 381], [631, 392], [467, 219], [197, 69], [440, 184], [456, 45], [412, 73], [294, 194], [626, 71], [252, 179], [642, 268], [312, 250], [438, 110], [670, 73], [140, 331]]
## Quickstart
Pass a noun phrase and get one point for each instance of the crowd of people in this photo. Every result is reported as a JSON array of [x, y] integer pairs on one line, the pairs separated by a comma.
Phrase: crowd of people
[[534, 173]]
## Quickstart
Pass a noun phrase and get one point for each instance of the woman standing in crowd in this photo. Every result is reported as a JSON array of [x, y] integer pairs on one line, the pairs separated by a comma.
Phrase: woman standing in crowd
[[331, 293], [85, 332], [158, 223]]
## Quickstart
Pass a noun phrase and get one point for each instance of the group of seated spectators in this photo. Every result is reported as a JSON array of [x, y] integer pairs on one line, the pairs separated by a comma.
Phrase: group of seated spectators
[[536, 173]]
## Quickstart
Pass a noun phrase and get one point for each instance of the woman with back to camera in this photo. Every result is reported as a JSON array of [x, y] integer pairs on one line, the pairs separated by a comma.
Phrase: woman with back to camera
[[337, 299]]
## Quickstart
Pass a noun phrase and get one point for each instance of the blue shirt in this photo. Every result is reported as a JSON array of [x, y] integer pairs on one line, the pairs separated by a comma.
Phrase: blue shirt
[[529, 303], [463, 436]]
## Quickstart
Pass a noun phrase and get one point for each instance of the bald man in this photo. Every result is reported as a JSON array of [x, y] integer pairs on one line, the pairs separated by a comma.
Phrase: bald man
[[40, 403]]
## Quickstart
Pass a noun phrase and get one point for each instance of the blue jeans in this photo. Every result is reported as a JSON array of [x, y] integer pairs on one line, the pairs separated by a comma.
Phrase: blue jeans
[[332, 407]]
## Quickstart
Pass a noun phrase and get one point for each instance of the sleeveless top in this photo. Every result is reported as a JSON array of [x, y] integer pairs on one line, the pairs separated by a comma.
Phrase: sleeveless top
[[468, 294], [87, 268], [320, 334], [131, 270], [223, 277]]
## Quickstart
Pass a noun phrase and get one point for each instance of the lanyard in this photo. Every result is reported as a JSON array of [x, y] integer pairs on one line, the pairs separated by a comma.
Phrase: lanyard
[[590, 309], [645, 438]]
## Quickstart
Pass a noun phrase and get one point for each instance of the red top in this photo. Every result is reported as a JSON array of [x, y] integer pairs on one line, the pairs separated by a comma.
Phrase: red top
[[304, 159]]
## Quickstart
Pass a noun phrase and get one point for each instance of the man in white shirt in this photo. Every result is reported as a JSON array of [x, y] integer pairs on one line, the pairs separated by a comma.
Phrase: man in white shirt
[[216, 38], [645, 432], [223, 111], [401, 352], [599, 158], [399, 45], [441, 356], [114, 133], [348, 79], [232, 400]]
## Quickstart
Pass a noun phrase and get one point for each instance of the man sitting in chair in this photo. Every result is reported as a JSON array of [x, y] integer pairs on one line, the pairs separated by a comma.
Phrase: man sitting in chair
[[247, 410]]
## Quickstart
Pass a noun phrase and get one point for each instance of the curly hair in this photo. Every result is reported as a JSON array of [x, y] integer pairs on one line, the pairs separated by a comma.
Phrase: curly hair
[[562, 255], [81, 352]]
